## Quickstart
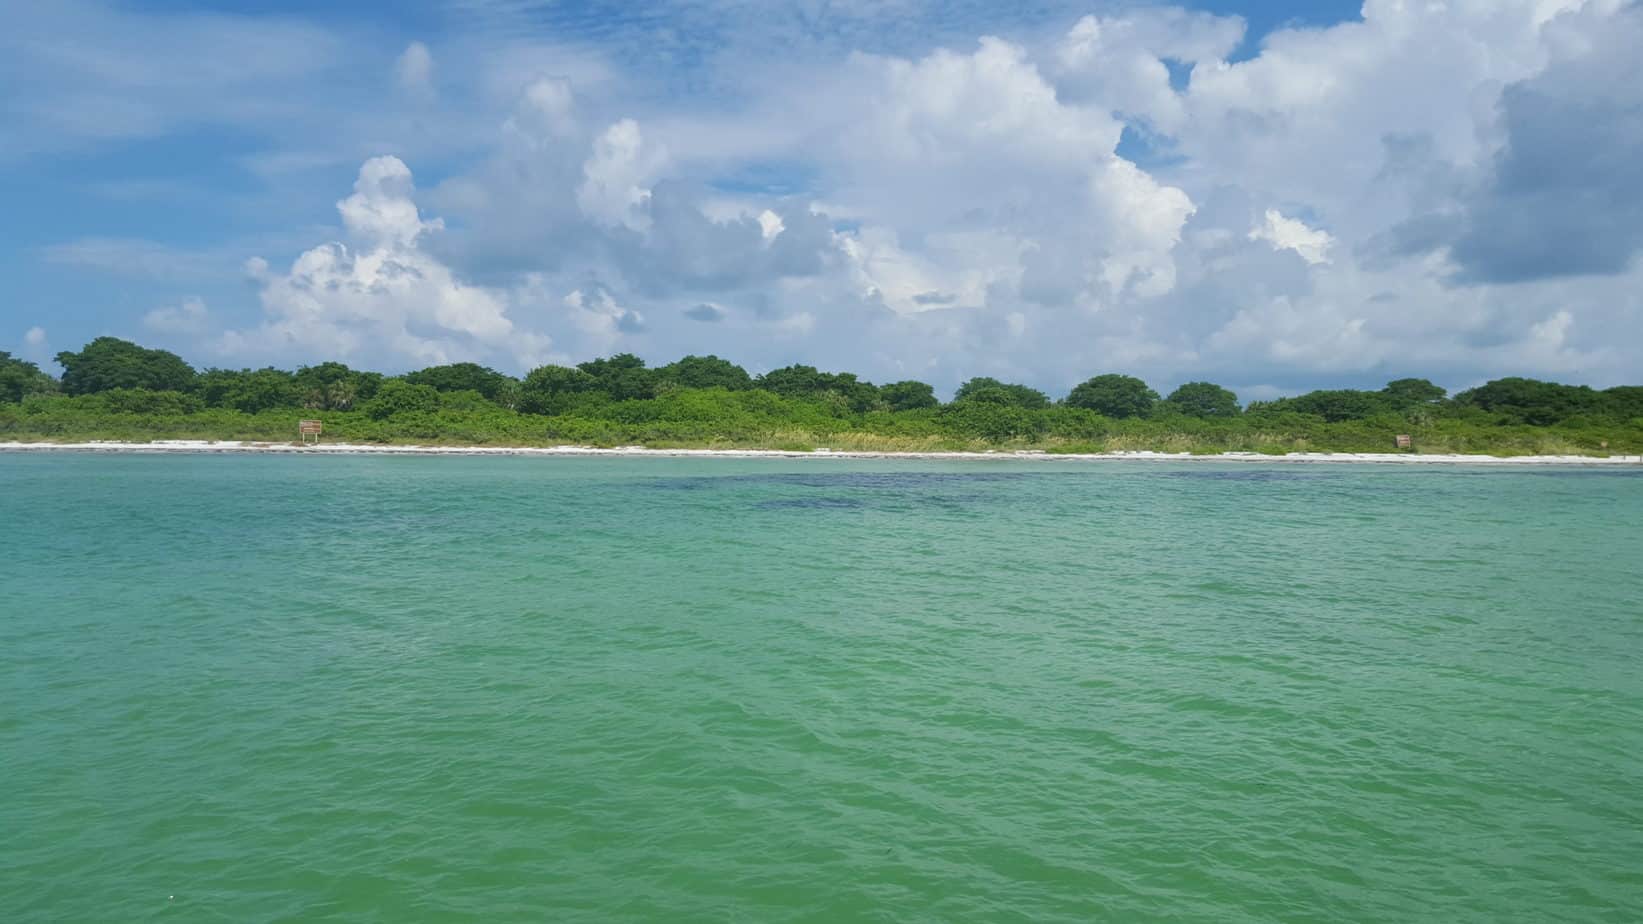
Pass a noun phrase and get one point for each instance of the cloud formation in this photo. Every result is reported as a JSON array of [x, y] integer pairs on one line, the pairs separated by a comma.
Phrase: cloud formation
[[414, 70], [1561, 197], [1450, 189], [189, 317], [384, 297]]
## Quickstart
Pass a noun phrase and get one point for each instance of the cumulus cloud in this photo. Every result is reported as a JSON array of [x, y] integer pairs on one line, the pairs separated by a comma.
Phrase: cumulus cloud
[[1007, 190], [599, 316], [385, 295], [546, 109], [382, 211], [1285, 233], [939, 108], [414, 70], [953, 270], [616, 176], [189, 317], [1564, 196], [1305, 120], [1124, 61], [1144, 220], [1446, 189], [685, 247]]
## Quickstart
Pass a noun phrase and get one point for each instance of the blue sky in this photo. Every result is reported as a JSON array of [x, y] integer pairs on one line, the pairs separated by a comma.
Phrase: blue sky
[[1272, 195]]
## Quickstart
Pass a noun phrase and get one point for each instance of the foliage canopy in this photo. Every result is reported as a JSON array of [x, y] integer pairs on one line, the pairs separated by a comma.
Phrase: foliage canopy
[[109, 362], [117, 389], [1116, 396]]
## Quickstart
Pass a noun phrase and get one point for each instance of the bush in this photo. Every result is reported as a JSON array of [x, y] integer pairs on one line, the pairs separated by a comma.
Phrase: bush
[[992, 391], [908, 396], [20, 378], [551, 389], [109, 362], [1115, 396], [704, 372], [995, 423], [144, 401], [1335, 405], [249, 391], [397, 396], [459, 377], [1529, 401], [1203, 399]]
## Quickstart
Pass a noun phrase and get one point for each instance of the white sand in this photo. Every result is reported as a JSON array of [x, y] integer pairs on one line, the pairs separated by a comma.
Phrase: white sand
[[236, 446]]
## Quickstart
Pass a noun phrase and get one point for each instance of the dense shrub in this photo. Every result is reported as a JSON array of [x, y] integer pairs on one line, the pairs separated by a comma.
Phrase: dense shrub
[[398, 397], [704, 400], [1117, 396], [109, 362]]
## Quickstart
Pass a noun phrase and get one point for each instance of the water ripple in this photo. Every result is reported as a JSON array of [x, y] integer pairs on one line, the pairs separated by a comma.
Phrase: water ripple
[[385, 689]]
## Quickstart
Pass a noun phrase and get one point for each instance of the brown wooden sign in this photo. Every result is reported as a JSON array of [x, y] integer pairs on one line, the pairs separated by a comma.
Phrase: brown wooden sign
[[307, 428], [1404, 441]]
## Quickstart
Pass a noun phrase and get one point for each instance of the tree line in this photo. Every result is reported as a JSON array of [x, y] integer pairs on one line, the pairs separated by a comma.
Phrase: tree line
[[141, 379]]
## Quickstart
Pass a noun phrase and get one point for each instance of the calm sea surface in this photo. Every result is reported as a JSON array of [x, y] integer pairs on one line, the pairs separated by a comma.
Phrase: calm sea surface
[[410, 689]]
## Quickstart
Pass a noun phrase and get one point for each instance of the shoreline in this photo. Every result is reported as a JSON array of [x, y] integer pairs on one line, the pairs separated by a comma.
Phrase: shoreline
[[347, 449]]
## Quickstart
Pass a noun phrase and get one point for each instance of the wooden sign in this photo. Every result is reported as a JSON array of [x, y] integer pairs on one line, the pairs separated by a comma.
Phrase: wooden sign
[[307, 428], [1404, 442]]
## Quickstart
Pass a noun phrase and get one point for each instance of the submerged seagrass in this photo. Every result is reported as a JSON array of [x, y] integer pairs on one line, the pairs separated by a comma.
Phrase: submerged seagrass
[[395, 689]]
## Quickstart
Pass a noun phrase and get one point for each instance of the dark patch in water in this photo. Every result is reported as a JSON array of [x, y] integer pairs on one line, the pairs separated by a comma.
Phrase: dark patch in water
[[1248, 475], [812, 503], [1555, 471], [951, 491], [867, 480]]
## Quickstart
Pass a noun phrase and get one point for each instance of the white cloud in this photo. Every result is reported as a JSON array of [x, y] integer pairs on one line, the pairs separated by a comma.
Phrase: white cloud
[[381, 210], [1307, 119], [800, 324], [616, 177], [189, 317], [1285, 233], [951, 204], [952, 270], [599, 316], [546, 109], [36, 348], [1144, 221], [770, 224], [414, 71], [976, 186], [385, 296], [1120, 60], [940, 108]]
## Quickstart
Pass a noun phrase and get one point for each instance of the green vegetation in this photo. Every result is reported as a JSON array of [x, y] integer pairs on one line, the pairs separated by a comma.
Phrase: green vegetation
[[113, 389], [1116, 396], [1204, 399], [992, 391], [20, 379], [107, 363]]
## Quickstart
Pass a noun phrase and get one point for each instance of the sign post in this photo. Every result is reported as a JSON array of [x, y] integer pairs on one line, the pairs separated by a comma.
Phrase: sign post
[[307, 428]]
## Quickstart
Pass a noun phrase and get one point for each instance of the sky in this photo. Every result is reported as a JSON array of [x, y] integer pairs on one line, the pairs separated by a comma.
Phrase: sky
[[1275, 196]]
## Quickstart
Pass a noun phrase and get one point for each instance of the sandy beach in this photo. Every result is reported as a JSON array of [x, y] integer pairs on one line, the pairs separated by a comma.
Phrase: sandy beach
[[346, 449]]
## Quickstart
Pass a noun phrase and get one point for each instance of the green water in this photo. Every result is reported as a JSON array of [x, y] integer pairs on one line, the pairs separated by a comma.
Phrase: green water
[[413, 689]]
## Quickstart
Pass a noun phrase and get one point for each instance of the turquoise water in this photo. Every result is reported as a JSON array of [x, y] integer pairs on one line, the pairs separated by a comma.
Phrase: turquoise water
[[410, 689]]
